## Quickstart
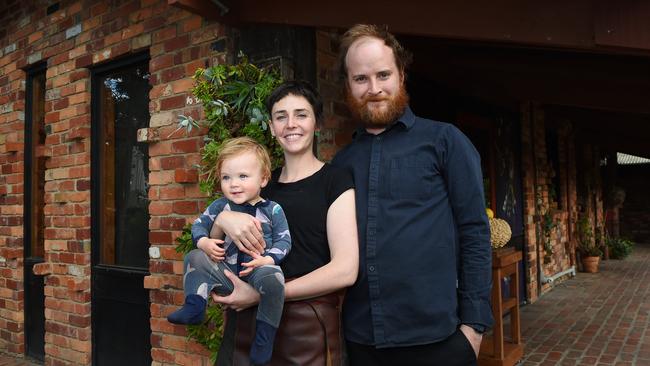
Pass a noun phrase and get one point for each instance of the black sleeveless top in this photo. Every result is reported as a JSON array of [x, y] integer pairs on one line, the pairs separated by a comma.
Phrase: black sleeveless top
[[305, 204]]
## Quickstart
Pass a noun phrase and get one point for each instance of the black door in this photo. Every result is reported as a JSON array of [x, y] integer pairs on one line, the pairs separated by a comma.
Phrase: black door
[[34, 213], [120, 218]]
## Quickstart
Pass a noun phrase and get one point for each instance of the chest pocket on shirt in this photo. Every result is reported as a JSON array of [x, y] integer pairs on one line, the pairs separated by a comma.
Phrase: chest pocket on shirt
[[411, 177]]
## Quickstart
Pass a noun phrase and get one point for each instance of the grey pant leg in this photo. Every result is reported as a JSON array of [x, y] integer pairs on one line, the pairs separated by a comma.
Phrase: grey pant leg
[[202, 275], [268, 280]]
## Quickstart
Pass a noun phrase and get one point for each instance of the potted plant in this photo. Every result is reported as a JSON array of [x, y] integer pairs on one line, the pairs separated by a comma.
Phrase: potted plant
[[619, 248], [589, 250]]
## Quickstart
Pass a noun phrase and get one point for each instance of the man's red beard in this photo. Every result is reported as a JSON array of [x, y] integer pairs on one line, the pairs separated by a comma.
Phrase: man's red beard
[[374, 118]]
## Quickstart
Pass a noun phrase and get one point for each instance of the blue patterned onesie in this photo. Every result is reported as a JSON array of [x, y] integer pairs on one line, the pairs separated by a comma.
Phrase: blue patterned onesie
[[202, 275]]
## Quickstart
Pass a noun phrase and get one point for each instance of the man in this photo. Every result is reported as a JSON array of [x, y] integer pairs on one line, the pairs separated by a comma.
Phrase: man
[[423, 292]]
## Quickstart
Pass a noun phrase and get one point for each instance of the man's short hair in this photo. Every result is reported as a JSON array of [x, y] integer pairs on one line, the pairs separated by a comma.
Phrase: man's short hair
[[299, 88], [403, 57], [240, 145]]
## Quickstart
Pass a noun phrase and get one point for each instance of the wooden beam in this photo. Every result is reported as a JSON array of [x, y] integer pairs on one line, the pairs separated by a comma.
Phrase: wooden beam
[[534, 23]]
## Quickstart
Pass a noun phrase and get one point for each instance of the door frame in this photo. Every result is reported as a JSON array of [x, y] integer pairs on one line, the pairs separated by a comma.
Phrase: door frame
[[28, 203], [96, 268]]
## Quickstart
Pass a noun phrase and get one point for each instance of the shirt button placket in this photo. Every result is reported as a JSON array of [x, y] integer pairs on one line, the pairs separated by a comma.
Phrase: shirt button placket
[[371, 240]]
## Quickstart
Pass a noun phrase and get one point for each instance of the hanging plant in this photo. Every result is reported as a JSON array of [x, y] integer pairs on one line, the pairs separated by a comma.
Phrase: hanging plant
[[546, 225], [233, 98]]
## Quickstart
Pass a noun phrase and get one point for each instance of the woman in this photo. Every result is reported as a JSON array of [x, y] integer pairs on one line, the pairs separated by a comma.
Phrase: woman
[[318, 200]]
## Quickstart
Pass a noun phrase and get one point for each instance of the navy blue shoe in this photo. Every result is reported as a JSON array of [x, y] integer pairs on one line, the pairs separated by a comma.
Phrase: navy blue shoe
[[192, 312]]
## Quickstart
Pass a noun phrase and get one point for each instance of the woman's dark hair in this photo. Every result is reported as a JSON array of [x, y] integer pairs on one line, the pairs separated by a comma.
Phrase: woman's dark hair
[[299, 88]]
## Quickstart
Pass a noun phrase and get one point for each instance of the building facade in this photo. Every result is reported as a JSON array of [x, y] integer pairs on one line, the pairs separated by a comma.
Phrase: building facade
[[97, 183]]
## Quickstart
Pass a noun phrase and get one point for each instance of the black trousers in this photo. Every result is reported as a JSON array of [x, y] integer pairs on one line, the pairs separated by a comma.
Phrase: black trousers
[[453, 351]]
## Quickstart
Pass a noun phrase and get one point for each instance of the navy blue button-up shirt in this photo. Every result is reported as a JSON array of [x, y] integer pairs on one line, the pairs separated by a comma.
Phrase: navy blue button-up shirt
[[425, 255]]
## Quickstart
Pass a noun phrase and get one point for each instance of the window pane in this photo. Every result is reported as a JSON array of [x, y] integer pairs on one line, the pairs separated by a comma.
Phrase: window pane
[[35, 179], [124, 109]]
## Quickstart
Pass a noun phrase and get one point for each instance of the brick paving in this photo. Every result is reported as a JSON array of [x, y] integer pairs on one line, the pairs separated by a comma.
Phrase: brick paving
[[593, 319]]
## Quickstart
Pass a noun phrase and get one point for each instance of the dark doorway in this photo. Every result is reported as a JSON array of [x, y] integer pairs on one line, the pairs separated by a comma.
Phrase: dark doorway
[[120, 217], [34, 212]]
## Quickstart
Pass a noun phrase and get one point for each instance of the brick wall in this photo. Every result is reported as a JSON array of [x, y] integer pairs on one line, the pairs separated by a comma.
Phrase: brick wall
[[337, 129], [536, 182], [74, 38]]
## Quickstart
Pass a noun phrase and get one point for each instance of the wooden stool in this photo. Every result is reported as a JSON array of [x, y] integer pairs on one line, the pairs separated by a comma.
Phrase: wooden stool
[[495, 351]]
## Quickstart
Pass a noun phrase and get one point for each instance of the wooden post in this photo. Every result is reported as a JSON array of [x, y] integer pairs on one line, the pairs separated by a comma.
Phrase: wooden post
[[495, 350]]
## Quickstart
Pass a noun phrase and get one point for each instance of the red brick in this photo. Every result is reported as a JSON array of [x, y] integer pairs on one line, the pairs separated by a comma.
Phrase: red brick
[[84, 61], [171, 192], [174, 102], [172, 162], [58, 59], [192, 23], [162, 355], [172, 223], [152, 282], [121, 49], [171, 74], [79, 74], [78, 133], [164, 34], [157, 208], [186, 175], [160, 237], [191, 67], [80, 321], [185, 207], [153, 23], [185, 146], [161, 62], [161, 178], [177, 43]]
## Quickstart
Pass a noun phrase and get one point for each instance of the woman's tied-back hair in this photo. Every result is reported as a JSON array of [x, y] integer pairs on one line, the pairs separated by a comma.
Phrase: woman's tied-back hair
[[403, 57], [239, 145], [299, 88]]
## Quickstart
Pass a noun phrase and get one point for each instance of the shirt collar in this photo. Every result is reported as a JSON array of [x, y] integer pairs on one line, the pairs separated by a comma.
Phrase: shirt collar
[[407, 119]]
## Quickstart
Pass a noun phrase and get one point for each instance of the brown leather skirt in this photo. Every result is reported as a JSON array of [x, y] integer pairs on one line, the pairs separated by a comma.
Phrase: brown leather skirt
[[309, 333]]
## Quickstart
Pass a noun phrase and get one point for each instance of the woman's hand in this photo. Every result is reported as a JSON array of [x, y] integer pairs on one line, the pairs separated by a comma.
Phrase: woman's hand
[[244, 230], [242, 297], [213, 248]]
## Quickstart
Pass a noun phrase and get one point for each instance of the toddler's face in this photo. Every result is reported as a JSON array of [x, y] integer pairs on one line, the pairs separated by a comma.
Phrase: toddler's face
[[241, 178]]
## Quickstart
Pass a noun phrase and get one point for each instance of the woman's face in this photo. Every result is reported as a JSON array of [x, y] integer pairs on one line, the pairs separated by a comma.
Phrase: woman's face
[[293, 124]]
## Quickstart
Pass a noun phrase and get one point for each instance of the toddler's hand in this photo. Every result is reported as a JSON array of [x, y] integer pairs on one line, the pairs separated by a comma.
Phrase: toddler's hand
[[213, 248], [257, 261]]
